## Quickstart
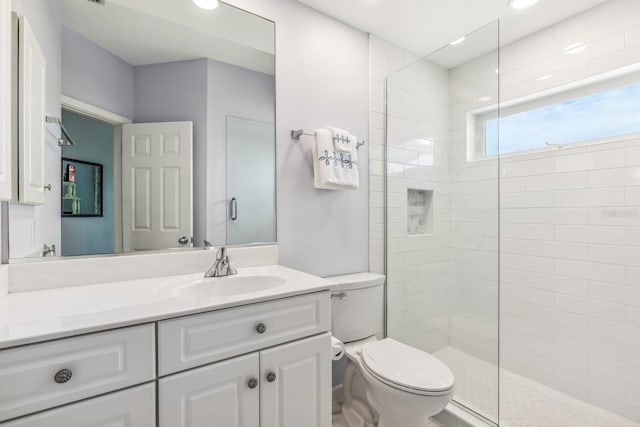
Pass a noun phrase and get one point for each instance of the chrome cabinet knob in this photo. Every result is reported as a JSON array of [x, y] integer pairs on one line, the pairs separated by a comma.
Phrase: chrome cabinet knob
[[253, 383], [63, 375], [271, 376], [261, 328]]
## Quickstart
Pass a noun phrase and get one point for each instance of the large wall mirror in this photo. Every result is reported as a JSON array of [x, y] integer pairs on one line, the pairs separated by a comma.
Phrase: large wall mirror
[[162, 115]]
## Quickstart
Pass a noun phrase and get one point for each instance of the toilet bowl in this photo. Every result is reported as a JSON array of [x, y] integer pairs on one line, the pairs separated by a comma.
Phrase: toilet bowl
[[406, 386], [386, 383]]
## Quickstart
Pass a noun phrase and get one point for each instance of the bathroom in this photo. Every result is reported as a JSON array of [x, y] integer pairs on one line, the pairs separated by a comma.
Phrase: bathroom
[[178, 250]]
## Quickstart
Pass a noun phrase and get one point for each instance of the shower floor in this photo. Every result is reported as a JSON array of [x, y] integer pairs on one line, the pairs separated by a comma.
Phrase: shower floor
[[523, 402]]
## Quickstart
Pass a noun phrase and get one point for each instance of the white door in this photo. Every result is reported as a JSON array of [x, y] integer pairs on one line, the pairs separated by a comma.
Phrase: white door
[[32, 94], [5, 100], [224, 394], [135, 407], [157, 185], [296, 384]]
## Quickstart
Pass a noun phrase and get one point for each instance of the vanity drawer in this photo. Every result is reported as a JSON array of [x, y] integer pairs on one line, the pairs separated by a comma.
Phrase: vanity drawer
[[197, 340], [41, 376], [134, 407]]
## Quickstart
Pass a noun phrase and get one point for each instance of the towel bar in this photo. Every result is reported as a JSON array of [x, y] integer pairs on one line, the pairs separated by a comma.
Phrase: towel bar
[[297, 133]]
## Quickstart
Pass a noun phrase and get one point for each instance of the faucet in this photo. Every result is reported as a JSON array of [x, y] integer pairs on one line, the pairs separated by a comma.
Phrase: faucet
[[48, 250], [222, 267]]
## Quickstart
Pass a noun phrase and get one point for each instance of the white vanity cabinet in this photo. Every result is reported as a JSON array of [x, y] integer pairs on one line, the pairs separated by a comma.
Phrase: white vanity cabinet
[[266, 364], [285, 386], [129, 408], [271, 366], [41, 376]]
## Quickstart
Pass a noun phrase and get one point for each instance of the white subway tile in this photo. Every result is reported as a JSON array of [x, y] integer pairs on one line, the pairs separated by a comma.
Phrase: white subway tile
[[590, 307]]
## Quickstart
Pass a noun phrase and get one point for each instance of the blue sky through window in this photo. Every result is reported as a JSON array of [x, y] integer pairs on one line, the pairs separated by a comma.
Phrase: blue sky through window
[[604, 114]]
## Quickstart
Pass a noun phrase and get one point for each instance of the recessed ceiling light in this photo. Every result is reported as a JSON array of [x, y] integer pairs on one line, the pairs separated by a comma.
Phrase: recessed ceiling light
[[458, 41], [522, 4], [206, 4], [575, 48], [545, 77]]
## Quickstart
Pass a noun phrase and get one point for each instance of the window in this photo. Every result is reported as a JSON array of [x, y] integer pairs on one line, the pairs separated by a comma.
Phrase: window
[[608, 108]]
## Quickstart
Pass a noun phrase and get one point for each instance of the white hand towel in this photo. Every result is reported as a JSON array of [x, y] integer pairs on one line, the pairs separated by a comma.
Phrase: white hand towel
[[342, 140], [333, 170]]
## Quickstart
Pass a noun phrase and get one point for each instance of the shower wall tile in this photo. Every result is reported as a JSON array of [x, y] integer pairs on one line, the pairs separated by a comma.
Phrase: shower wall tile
[[569, 222], [419, 267]]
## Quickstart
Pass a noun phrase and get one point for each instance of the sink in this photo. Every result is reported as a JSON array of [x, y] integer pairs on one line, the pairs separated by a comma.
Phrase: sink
[[229, 286]]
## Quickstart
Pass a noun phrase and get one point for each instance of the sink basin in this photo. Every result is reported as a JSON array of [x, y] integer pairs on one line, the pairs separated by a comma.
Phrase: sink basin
[[229, 286]]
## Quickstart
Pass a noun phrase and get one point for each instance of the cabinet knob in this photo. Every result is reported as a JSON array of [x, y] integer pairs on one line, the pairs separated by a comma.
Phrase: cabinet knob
[[63, 375], [261, 328], [253, 383], [271, 376]]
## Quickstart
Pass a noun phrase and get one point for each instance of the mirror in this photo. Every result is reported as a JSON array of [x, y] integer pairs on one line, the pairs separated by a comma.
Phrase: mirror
[[81, 188], [159, 130]]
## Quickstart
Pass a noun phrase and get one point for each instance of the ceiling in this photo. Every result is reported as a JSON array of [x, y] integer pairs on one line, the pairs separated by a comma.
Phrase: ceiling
[[422, 26], [143, 32]]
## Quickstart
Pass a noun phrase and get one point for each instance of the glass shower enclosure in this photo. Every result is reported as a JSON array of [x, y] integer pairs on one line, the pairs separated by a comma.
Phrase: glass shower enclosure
[[442, 212]]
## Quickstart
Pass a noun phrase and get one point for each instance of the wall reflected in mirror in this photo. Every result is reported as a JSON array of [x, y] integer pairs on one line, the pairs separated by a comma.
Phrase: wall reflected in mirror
[[125, 78]]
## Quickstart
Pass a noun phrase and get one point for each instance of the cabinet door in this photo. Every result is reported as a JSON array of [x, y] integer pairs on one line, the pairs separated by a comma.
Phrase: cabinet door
[[5, 100], [299, 394], [32, 95], [135, 407], [215, 395]]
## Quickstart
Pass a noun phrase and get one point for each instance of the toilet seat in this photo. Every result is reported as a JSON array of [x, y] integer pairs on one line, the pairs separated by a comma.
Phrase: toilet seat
[[406, 368]]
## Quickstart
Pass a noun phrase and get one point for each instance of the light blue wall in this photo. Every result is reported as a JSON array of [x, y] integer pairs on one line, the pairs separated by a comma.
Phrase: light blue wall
[[95, 76], [94, 143]]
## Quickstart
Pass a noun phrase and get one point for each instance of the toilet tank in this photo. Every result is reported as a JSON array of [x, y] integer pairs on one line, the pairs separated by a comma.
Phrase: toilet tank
[[357, 306]]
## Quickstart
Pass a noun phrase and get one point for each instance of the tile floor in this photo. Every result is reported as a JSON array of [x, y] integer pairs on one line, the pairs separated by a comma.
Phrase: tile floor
[[523, 402]]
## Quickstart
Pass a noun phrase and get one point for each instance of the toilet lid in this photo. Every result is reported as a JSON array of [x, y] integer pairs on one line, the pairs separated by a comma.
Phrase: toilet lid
[[407, 366]]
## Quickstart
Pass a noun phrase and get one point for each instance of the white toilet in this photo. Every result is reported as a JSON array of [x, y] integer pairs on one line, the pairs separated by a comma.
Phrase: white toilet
[[385, 382]]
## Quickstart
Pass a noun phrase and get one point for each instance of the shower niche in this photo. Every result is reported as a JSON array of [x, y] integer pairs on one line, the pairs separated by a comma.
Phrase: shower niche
[[419, 212]]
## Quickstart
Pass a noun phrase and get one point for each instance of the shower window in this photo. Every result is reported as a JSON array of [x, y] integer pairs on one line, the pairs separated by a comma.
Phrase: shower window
[[608, 110]]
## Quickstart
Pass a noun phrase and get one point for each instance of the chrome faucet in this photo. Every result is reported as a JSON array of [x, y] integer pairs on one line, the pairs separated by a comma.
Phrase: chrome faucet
[[48, 250], [222, 267]]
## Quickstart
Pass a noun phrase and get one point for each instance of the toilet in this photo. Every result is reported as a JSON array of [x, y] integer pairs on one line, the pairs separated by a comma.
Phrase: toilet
[[386, 383]]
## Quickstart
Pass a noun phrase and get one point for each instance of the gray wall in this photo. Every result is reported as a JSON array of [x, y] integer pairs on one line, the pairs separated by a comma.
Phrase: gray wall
[[177, 91], [319, 231], [236, 92], [94, 143], [93, 75]]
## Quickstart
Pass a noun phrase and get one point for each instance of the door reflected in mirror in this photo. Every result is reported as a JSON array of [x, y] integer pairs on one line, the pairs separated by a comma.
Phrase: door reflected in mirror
[[169, 114]]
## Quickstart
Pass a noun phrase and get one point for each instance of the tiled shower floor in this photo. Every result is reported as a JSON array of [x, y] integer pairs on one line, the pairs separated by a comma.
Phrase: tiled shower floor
[[523, 403]]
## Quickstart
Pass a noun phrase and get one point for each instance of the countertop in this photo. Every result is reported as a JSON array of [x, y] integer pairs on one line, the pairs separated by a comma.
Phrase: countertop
[[30, 317]]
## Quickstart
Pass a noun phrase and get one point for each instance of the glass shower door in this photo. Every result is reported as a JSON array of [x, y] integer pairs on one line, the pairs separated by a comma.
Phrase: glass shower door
[[442, 259], [251, 181]]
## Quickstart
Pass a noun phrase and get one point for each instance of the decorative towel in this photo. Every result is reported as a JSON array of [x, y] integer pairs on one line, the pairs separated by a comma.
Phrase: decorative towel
[[333, 170], [343, 141]]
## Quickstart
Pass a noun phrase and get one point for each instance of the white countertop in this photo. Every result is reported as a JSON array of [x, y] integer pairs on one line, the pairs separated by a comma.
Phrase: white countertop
[[29, 317]]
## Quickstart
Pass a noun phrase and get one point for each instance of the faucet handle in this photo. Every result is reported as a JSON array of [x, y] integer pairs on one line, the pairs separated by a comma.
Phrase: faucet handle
[[222, 253]]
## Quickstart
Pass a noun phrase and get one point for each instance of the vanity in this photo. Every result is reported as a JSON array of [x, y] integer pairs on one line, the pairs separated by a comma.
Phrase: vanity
[[246, 350], [120, 183]]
